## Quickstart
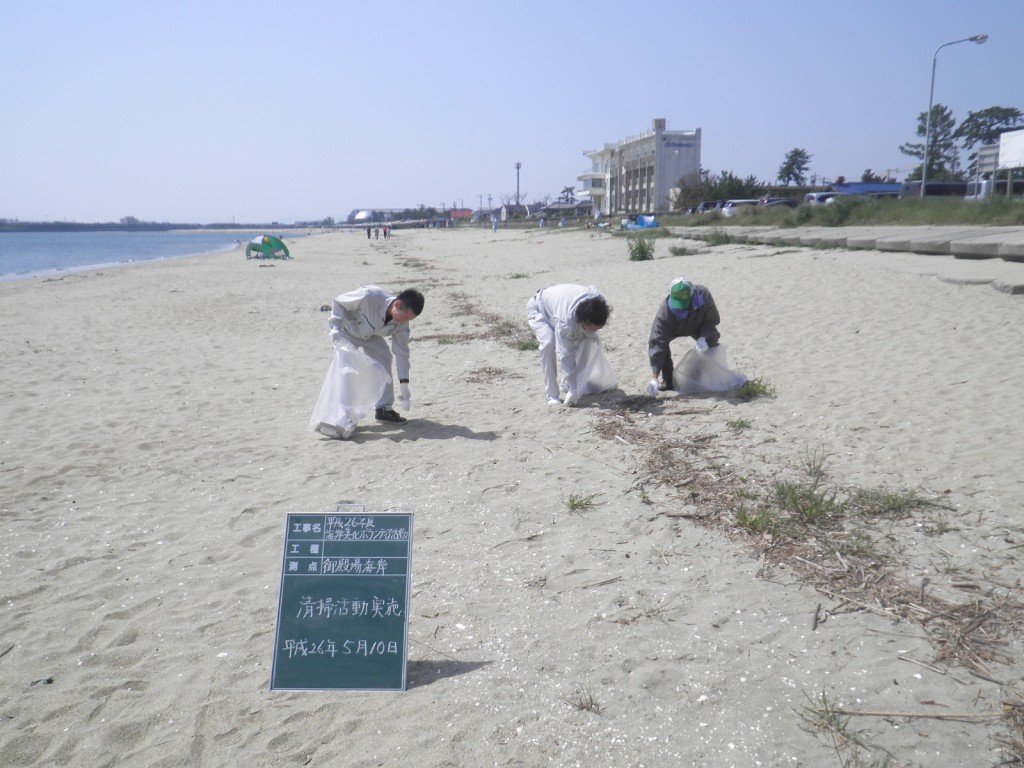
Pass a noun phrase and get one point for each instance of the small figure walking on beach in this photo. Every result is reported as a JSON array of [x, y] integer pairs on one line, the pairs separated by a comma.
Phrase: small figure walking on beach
[[565, 319], [368, 233], [359, 380]]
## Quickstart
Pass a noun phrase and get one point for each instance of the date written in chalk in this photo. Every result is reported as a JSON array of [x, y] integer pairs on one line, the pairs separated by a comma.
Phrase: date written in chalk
[[304, 647]]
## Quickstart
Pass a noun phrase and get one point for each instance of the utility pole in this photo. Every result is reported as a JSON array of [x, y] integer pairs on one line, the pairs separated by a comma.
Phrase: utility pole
[[518, 166]]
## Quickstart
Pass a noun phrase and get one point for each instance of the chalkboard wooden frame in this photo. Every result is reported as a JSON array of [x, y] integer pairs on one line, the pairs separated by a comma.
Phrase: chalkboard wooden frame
[[343, 605]]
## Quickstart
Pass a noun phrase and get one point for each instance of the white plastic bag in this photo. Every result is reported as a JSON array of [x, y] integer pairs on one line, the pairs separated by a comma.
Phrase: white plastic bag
[[706, 372], [593, 371], [352, 387]]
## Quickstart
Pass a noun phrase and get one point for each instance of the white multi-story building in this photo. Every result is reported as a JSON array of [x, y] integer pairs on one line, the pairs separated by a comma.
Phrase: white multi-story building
[[639, 174]]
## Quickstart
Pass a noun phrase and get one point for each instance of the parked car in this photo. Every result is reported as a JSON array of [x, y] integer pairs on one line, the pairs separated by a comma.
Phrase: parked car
[[710, 205], [733, 207], [776, 202], [821, 198]]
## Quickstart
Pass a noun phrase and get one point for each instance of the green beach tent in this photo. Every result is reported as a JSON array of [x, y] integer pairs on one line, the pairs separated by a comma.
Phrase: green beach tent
[[266, 247]]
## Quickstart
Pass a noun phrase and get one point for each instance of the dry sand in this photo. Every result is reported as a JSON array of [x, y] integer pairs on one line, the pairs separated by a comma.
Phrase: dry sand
[[154, 438]]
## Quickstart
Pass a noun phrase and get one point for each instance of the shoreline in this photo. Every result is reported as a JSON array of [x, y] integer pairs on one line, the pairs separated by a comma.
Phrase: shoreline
[[58, 272]]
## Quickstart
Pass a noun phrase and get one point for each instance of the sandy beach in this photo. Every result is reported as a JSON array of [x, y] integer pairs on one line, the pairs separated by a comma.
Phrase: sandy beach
[[155, 438]]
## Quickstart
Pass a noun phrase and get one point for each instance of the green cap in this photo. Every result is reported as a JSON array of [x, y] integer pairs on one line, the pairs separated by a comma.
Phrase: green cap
[[679, 294]]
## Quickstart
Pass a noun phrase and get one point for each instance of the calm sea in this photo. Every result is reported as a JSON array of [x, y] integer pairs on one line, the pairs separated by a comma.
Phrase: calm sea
[[29, 254]]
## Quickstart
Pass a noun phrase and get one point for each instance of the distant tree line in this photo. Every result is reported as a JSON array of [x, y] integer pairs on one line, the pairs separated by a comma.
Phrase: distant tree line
[[126, 224], [700, 186], [13, 225], [948, 140]]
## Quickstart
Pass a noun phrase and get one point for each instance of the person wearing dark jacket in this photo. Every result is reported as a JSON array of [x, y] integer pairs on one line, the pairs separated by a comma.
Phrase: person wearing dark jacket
[[688, 310]]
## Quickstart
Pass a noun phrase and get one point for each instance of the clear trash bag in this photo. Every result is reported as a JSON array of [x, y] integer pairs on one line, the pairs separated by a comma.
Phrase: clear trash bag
[[352, 387], [593, 371], [706, 372]]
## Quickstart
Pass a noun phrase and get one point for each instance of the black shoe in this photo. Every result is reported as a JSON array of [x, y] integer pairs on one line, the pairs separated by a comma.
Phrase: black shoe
[[390, 414], [663, 387]]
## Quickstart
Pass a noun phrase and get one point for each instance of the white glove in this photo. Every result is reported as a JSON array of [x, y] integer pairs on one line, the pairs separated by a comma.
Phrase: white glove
[[406, 397], [652, 388], [569, 400], [702, 344]]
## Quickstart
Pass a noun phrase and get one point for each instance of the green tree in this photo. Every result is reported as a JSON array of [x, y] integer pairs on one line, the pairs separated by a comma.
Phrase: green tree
[[985, 127], [728, 186], [943, 153], [870, 177], [568, 195], [689, 190], [794, 168]]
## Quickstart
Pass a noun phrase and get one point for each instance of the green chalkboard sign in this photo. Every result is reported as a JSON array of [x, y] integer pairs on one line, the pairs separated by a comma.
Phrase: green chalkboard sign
[[343, 610]]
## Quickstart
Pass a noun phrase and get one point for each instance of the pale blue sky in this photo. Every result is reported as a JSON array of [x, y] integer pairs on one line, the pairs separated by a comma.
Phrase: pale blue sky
[[259, 111]]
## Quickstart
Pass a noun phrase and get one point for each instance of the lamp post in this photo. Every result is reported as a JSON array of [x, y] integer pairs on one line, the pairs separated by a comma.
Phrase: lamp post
[[979, 39]]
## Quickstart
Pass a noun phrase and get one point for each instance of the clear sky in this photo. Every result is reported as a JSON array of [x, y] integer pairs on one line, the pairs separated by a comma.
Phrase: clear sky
[[281, 111]]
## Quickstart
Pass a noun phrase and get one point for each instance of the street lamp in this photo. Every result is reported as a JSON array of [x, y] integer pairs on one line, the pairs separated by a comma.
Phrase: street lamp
[[979, 39]]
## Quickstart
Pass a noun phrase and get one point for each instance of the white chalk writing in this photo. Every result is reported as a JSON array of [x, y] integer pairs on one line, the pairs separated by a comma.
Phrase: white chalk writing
[[331, 607], [361, 647]]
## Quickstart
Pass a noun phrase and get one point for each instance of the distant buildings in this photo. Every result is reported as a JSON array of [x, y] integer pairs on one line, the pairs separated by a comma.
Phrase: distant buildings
[[639, 174]]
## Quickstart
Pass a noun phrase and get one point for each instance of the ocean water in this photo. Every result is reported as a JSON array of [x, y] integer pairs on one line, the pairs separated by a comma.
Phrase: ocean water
[[29, 254]]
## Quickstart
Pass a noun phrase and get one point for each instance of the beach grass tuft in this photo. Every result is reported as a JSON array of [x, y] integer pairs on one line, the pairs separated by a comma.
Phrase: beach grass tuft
[[719, 237], [578, 503], [584, 701], [882, 502], [807, 504], [758, 521], [813, 463], [755, 388], [640, 248]]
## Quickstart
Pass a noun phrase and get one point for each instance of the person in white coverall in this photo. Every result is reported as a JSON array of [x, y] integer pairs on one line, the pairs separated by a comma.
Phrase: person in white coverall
[[364, 318], [559, 317]]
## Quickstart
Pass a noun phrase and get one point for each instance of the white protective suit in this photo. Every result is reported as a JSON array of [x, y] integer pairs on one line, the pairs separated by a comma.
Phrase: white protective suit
[[359, 320], [552, 317]]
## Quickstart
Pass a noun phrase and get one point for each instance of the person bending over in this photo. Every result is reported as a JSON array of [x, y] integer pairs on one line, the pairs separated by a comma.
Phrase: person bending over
[[560, 316], [367, 316], [688, 310]]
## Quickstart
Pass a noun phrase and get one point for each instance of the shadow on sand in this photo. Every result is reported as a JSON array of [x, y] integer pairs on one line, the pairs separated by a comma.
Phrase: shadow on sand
[[426, 671]]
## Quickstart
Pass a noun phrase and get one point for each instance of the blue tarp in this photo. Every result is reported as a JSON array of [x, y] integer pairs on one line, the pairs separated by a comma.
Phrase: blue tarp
[[643, 222], [867, 188]]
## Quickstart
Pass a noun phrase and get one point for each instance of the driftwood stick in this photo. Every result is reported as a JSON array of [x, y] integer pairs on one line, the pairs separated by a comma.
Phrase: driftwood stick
[[865, 606], [923, 715], [601, 583]]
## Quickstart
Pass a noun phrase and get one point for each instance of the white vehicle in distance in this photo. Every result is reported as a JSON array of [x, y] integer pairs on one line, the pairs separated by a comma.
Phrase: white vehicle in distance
[[732, 207], [983, 189], [821, 198]]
